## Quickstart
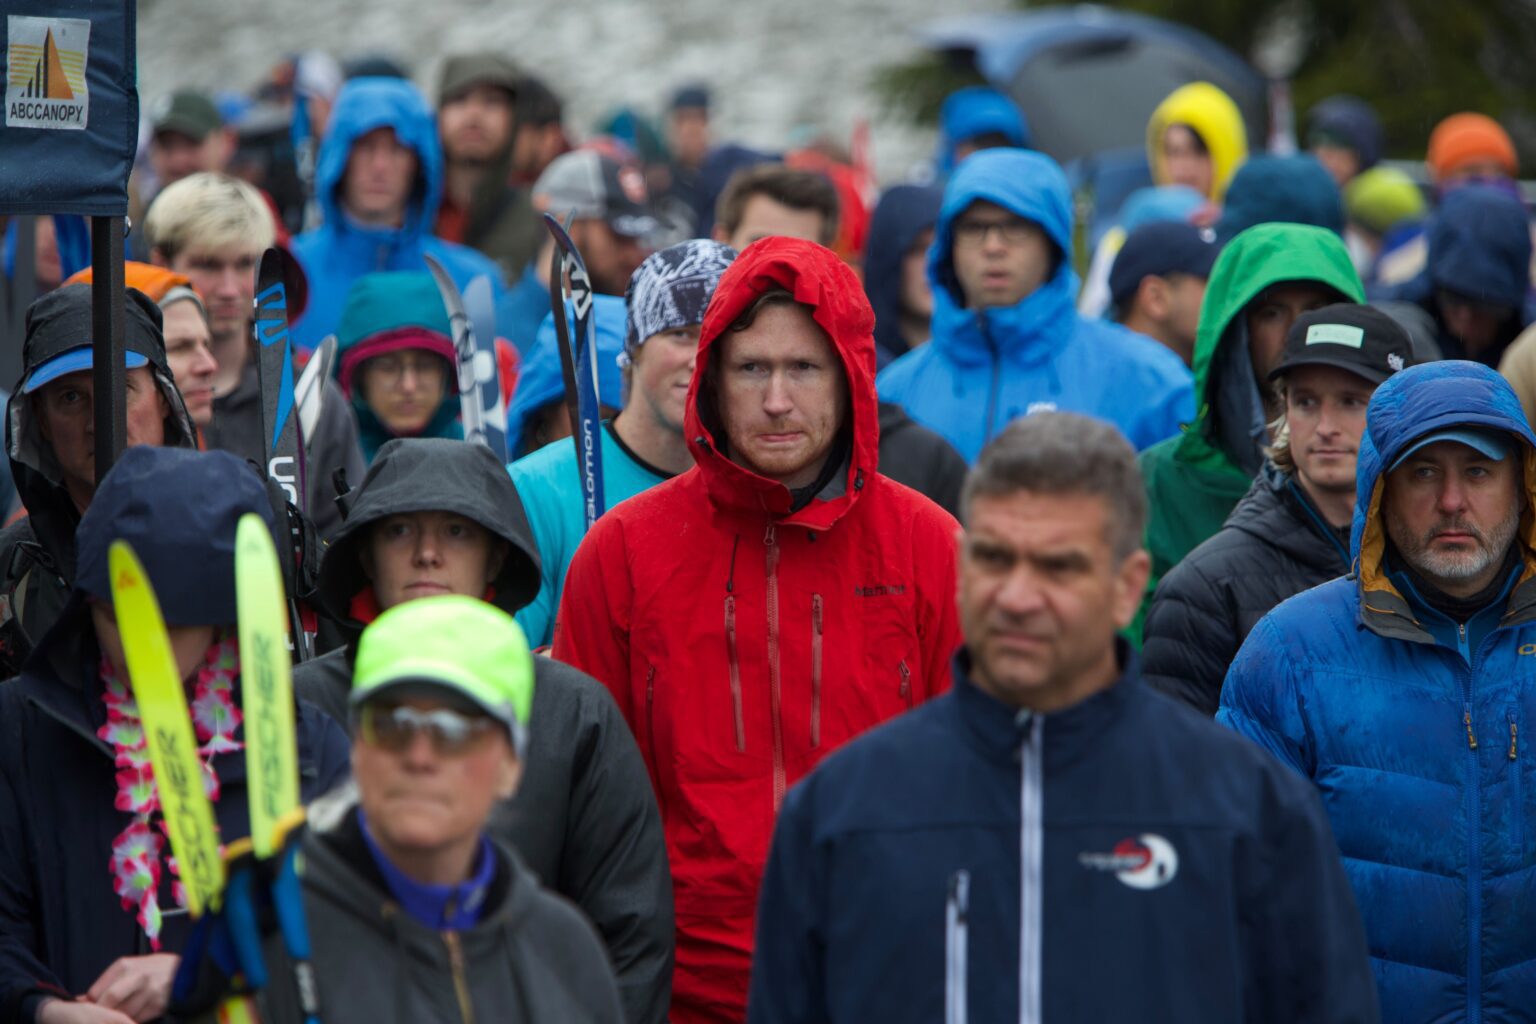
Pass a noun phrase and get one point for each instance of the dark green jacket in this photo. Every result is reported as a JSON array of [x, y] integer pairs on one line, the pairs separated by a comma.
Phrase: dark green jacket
[[1192, 482]]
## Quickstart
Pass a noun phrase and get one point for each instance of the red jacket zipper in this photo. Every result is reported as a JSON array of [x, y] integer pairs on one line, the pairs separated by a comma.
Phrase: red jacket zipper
[[730, 647]]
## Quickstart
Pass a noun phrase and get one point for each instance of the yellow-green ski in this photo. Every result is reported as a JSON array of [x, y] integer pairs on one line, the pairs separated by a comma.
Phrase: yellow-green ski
[[266, 680], [162, 702]]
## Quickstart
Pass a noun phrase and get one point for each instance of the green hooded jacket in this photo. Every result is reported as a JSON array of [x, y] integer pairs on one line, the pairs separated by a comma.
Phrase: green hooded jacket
[[1192, 483]]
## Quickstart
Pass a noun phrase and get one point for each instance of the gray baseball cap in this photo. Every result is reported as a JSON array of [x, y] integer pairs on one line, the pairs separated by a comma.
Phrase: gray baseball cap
[[587, 184]]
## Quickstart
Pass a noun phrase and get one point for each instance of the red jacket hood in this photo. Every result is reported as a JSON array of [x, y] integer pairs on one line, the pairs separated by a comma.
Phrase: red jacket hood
[[816, 277]]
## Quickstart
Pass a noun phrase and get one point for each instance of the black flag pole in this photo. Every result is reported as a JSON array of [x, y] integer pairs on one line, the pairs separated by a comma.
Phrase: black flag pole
[[108, 377]]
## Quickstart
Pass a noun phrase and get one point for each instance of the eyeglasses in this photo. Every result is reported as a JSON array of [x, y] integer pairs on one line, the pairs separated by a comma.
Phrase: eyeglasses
[[1014, 231], [392, 367], [395, 728]]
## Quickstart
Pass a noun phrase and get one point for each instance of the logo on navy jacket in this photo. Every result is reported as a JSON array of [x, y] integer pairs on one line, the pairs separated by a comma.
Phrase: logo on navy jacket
[[1147, 861]]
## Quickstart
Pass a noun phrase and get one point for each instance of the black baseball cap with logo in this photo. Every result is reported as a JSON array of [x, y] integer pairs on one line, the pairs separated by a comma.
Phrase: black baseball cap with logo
[[1349, 336]]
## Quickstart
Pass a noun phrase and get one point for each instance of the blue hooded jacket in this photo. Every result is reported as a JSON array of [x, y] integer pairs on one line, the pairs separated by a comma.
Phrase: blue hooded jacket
[[903, 213], [977, 110], [1415, 731], [1480, 247], [342, 250], [540, 381], [1037, 354]]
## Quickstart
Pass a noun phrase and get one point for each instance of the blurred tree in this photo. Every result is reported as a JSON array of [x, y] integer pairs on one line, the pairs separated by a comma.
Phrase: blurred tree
[[1415, 61]]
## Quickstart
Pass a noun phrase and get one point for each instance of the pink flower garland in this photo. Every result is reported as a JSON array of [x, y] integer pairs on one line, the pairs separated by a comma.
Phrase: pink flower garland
[[136, 851]]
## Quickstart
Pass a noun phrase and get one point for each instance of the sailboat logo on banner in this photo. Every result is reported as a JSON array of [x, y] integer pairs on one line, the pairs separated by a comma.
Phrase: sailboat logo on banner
[[45, 61]]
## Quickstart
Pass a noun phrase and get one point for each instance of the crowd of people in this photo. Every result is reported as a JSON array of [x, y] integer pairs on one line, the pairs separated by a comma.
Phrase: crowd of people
[[987, 621]]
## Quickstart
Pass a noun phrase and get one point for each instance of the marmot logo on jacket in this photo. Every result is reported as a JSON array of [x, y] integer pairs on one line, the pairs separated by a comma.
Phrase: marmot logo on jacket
[[880, 590], [1146, 862]]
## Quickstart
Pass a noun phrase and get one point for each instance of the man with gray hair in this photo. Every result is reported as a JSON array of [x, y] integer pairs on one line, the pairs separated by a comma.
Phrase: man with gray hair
[[1099, 852]]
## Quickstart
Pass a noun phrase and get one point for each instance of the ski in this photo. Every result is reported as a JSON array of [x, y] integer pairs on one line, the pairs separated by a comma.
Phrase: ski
[[578, 362], [283, 454], [271, 749], [162, 701], [309, 392], [480, 306], [481, 411]]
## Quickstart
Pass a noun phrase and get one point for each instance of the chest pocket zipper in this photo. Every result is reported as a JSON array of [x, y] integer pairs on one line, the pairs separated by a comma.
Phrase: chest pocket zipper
[[1516, 792], [815, 671], [906, 681], [735, 662]]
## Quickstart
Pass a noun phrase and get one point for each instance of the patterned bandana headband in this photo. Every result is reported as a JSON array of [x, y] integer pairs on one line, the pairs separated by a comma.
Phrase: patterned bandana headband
[[671, 289]]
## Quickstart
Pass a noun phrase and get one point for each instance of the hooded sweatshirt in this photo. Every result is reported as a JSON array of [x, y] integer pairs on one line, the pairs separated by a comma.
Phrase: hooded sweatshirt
[[584, 818], [1416, 729], [743, 638], [1037, 354], [341, 249], [1195, 480], [1215, 118], [37, 554], [530, 957], [903, 213]]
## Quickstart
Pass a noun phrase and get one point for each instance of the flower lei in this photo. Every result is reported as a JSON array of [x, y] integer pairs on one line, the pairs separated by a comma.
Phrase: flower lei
[[135, 861]]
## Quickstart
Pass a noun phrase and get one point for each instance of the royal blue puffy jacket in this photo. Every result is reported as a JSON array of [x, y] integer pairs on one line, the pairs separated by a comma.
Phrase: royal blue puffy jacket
[[1416, 733], [986, 367], [341, 250]]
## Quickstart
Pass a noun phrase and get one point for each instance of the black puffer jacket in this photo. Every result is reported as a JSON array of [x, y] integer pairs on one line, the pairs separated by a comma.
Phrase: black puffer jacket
[[584, 818], [1274, 544]]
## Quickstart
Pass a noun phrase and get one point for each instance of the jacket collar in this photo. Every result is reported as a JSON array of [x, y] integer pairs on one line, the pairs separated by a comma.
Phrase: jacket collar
[[1028, 333], [1000, 729]]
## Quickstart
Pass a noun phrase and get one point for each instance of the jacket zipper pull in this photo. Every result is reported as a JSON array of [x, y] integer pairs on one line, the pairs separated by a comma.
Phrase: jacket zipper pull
[[1514, 734], [1466, 717]]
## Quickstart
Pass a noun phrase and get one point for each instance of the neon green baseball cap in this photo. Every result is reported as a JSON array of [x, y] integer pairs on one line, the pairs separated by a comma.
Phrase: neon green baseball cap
[[461, 644]]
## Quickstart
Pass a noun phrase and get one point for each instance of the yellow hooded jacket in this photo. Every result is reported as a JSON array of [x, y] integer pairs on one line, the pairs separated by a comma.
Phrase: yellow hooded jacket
[[1212, 115]]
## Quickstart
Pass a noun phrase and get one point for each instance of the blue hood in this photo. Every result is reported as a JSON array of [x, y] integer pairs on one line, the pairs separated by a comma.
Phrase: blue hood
[[1410, 404], [978, 110], [902, 214], [1033, 186], [1480, 246], [368, 103], [540, 381], [1289, 189]]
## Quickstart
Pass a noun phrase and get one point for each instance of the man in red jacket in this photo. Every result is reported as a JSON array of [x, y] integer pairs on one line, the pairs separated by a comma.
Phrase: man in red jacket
[[768, 605]]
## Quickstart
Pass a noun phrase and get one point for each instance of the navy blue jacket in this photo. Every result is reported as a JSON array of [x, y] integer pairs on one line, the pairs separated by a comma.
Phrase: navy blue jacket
[[903, 213], [61, 925], [1480, 247], [1416, 735], [1119, 860]]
